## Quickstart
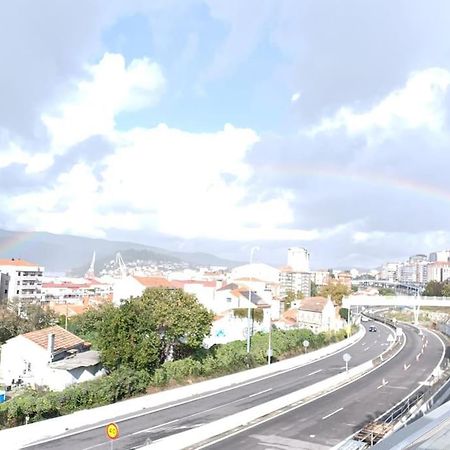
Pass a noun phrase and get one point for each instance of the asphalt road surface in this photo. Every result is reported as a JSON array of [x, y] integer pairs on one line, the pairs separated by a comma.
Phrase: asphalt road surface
[[325, 422], [152, 424]]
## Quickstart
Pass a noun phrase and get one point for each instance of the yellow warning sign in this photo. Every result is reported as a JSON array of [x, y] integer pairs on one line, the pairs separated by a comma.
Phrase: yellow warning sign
[[112, 430]]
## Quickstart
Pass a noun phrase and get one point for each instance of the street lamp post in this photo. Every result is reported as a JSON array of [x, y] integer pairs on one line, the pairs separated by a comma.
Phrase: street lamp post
[[249, 310], [269, 351]]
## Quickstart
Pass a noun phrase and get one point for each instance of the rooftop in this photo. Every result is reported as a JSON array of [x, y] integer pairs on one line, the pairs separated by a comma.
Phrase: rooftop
[[17, 262], [153, 281], [82, 359], [64, 339], [314, 304]]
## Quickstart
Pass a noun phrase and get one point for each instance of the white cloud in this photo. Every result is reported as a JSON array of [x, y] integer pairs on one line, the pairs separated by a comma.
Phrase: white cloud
[[295, 97], [112, 87], [419, 104]]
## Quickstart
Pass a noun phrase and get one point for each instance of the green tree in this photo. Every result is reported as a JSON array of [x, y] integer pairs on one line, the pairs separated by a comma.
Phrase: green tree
[[433, 289], [386, 291], [290, 297], [446, 289], [146, 331], [314, 289], [336, 291], [18, 318]]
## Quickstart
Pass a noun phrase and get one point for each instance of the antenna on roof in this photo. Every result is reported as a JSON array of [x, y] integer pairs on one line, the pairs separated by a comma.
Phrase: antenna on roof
[[121, 265], [91, 271]]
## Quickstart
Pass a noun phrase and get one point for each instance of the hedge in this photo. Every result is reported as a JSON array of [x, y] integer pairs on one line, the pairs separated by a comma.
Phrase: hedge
[[125, 382]]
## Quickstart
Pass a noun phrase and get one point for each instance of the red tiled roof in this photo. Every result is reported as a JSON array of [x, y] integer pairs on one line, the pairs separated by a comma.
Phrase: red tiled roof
[[16, 262], [63, 338], [314, 304], [153, 281]]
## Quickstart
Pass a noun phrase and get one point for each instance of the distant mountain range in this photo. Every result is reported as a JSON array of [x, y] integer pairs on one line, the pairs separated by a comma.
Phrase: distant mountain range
[[63, 253]]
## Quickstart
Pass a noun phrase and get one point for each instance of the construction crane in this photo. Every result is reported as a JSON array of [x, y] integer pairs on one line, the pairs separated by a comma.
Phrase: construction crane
[[91, 271], [121, 265]]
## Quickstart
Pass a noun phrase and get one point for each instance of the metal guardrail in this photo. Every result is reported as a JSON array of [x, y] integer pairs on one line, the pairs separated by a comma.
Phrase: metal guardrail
[[405, 412]]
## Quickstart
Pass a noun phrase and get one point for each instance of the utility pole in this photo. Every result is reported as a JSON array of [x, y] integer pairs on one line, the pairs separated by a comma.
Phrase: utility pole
[[249, 310]]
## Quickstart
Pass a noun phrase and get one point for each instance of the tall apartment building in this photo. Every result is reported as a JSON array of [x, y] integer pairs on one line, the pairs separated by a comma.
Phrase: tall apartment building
[[414, 271], [24, 280], [389, 271], [291, 281], [298, 259], [441, 256], [439, 271]]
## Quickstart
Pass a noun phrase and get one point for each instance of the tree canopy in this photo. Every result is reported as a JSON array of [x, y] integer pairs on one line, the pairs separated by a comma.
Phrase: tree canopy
[[146, 331], [437, 289], [336, 291], [18, 318]]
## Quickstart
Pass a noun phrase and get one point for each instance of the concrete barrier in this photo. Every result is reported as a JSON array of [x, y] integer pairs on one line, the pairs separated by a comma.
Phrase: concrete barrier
[[46, 429], [227, 424], [197, 435]]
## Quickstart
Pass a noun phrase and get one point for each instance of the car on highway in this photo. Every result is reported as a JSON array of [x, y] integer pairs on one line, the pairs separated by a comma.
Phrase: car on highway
[[372, 328]]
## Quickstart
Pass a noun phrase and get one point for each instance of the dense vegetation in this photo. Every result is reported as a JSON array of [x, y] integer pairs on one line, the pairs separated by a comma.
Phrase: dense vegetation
[[437, 289], [17, 319], [149, 343]]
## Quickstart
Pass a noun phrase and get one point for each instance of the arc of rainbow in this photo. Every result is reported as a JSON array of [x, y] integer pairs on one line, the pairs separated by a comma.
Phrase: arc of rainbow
[[363, 176]]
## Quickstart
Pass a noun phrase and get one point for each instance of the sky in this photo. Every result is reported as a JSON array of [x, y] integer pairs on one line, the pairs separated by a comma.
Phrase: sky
[[204, 125]]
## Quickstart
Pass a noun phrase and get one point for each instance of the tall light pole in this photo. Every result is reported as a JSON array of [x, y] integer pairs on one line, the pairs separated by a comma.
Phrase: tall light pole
[[249, 310]]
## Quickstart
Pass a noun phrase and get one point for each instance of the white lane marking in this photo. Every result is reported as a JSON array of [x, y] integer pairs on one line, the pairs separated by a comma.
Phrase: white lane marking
[[367, 348], [313, 373], [259, 393], [375, 341], [332, 414], [156, 426], [406, 366], [148, 410]]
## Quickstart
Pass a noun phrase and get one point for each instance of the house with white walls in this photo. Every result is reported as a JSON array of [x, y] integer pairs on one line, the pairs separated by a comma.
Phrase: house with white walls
[[23, 281], [134, 286], [52, 357], [313, 313]]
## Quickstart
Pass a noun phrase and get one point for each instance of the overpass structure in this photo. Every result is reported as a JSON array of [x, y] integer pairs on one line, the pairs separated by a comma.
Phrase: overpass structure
[[414, 302], [408, 288]]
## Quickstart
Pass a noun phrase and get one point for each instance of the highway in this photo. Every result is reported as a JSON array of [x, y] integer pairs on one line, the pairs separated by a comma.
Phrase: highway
[[152, 424], [326, 421]]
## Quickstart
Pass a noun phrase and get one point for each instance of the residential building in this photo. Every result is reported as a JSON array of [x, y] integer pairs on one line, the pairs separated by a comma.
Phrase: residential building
[[25, 280], [291, 281], [51, 357], [298, 259], [344, 278], [256, 270], [76, 291], [388, 271], [441, 256], [321, 277], [4, 285], [134, 286], [439, 271], [313, 313]]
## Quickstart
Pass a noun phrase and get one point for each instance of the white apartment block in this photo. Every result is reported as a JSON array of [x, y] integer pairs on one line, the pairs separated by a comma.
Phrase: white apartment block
[[24, 280], [441, 256], [298, 259], [321, 277], [439, 271], [413, 272], [291, 281]]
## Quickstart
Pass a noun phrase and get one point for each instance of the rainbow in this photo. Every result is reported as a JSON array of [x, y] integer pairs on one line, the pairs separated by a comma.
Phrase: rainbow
[[11, 243], [361, 176]]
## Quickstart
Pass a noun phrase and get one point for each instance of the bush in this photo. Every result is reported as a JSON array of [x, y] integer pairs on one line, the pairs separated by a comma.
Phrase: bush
[[126, 382]]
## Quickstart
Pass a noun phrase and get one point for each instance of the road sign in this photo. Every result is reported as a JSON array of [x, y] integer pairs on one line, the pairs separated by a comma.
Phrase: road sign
[[346, 357], [305, 343], [112, 431], [399, 331]]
